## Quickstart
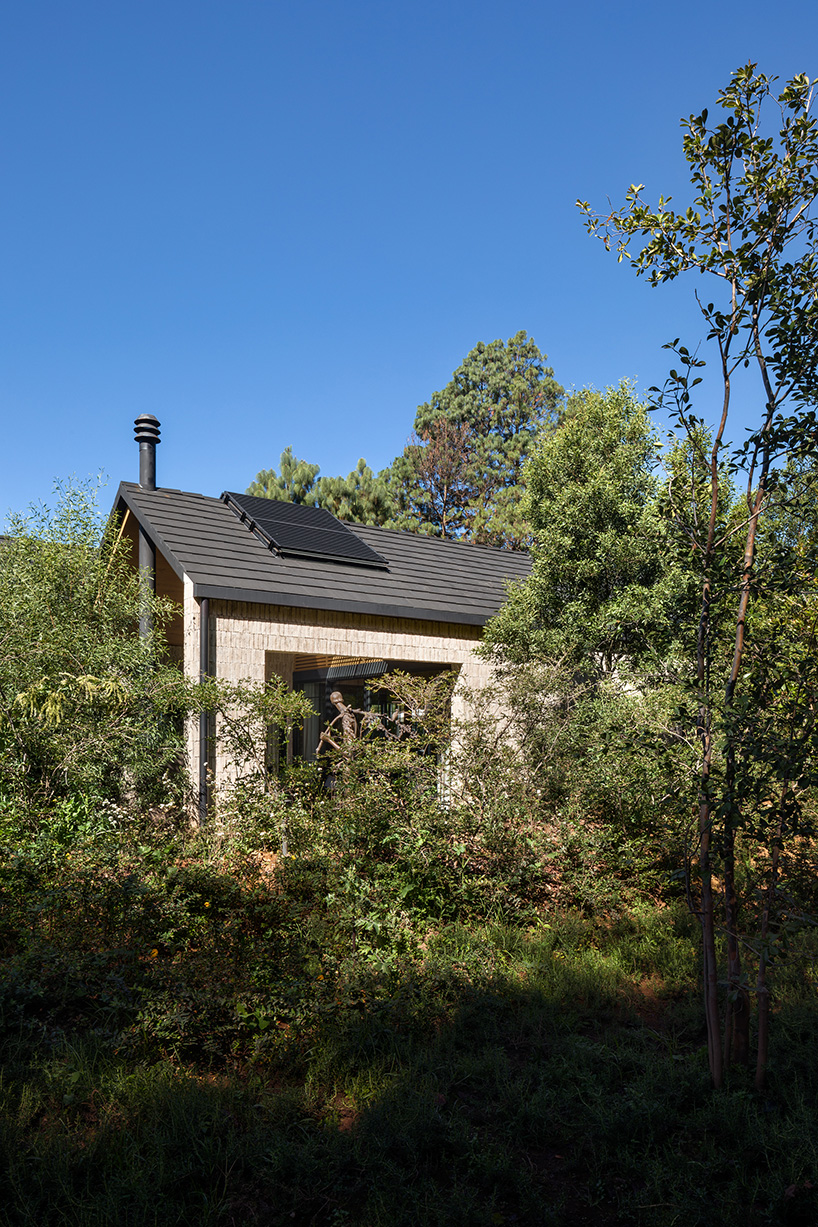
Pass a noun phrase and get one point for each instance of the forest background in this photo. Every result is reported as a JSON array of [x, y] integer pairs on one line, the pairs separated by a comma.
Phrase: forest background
[[482, 1007], [460, 476]]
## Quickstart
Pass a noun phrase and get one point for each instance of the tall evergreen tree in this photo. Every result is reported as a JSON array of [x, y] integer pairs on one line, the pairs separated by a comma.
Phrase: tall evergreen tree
[[362, 497], [434, 483], [295, 483], [461, 474]]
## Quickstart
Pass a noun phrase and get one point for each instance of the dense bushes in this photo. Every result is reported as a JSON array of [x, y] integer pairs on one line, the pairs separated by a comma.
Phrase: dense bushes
[[190, 1036], [398, 986], [87, 708]]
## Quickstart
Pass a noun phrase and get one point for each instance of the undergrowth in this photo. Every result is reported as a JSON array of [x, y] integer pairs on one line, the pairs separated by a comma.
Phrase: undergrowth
[[194, 1031]]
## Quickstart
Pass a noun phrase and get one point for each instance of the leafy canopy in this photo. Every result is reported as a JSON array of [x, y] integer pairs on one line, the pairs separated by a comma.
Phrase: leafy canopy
[[750, 231], [603, 591], [86, 706]]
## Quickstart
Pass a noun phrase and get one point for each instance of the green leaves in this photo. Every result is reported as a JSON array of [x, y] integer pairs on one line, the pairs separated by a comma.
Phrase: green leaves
[[603, 591], [361, 497], [86, 707], [53, 700], [294, 484], [753, 226], [755, 195]]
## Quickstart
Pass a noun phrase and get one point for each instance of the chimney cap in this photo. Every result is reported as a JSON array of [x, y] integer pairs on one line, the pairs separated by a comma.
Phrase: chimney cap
[[146, 428]]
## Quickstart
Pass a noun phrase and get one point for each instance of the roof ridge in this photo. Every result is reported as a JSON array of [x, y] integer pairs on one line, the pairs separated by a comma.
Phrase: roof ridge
[[449, 541]]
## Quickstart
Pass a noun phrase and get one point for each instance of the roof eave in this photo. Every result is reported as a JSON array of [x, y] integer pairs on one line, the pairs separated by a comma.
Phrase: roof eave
[[123, 499], [296, 600]]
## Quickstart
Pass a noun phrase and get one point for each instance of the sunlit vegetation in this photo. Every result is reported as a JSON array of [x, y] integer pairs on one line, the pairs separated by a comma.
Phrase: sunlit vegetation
[[456, 976]]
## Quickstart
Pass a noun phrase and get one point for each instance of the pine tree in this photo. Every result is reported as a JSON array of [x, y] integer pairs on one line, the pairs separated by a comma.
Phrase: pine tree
[[461, 474]]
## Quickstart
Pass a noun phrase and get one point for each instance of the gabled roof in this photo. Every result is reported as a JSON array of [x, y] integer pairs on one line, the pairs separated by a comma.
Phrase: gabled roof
[[426, 578]]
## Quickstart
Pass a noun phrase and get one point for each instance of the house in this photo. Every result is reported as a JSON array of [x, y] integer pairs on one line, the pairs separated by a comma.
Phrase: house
[[267, 589]]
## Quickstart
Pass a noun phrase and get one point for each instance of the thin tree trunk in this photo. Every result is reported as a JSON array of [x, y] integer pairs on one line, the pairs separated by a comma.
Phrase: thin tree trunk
[[705, 734], [737, 1039], [707, 918], [762, 987], [737, 1024], [763, 997], [710, 965], [737, 1014]]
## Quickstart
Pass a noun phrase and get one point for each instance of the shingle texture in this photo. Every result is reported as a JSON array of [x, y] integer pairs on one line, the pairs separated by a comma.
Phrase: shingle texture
[[446, 581]]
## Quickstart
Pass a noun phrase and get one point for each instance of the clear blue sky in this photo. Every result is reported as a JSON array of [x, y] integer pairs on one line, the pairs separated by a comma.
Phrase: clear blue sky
[[278, 224]]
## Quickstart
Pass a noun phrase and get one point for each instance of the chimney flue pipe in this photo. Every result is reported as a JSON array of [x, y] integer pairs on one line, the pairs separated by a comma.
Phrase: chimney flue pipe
[[146, 430]]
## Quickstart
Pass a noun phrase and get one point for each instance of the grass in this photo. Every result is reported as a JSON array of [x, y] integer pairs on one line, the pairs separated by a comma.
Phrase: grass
[[185, 1043]]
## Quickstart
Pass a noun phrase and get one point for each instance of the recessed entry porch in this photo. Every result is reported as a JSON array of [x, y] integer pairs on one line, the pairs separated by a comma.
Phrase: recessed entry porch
[[356, 678], [329, 649]]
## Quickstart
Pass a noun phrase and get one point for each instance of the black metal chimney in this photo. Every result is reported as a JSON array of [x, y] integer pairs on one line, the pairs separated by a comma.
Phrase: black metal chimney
[[146, 429]]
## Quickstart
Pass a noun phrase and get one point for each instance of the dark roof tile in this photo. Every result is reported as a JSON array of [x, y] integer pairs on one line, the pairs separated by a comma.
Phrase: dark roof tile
[[427, 578]]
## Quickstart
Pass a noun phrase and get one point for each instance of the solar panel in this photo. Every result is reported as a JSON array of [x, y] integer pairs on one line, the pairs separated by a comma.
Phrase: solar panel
[[302, 532]]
